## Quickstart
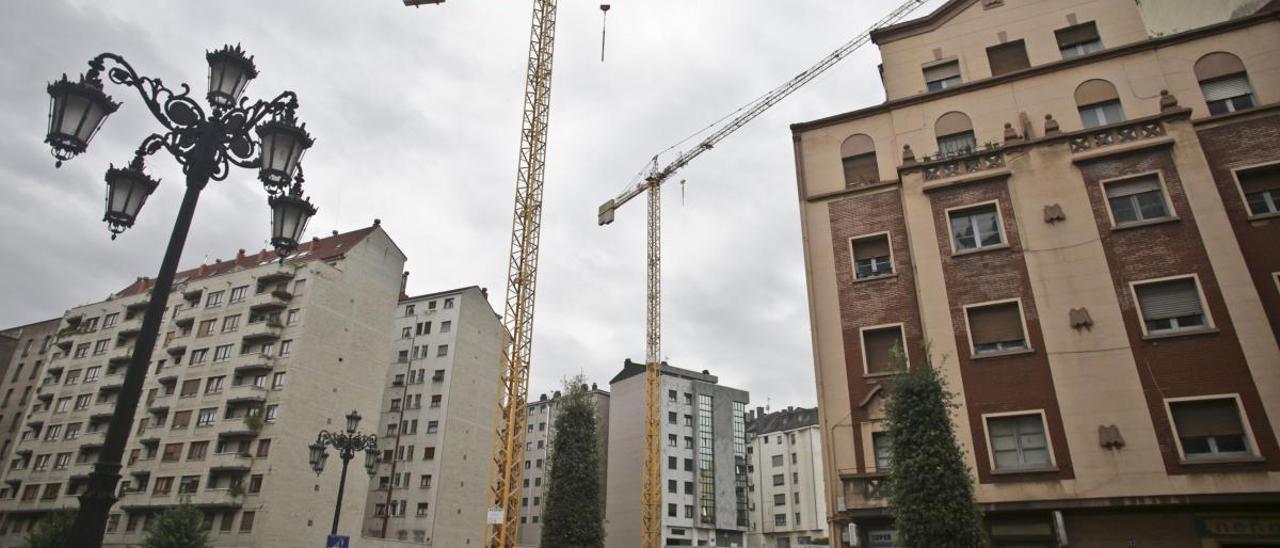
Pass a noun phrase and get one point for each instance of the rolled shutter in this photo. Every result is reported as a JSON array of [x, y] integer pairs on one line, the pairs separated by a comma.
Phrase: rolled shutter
[[1095, 91], [1077, 34], [877, 344], [1132, 186], [1200, 418], [1008, 57], [861, 169], [942, 72], [1173, 299], [1260, 181], [1226, 88], [996, 323], [870, 248]]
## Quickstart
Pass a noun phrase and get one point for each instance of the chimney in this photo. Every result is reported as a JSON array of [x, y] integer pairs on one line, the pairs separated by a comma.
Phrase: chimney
[[556, 395], [239, 255], [760, 412], [335, 232], [404, 281], [484, 292], [377, 222], [790, 408], [543, 397], [593, 386]]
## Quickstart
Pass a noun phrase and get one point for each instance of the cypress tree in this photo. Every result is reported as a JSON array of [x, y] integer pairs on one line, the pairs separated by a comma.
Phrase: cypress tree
[[177, 527], [573, 515], [929, 488], [52, 531]]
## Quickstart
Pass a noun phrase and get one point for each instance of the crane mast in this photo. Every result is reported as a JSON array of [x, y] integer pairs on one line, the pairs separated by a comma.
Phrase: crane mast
[[651, 493], [522, 272]]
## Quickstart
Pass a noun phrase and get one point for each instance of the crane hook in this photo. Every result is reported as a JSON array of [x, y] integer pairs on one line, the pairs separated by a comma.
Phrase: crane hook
[[604, 21]]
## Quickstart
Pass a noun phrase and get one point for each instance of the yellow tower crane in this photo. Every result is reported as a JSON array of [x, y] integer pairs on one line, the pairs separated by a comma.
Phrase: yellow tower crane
[[651, 493]]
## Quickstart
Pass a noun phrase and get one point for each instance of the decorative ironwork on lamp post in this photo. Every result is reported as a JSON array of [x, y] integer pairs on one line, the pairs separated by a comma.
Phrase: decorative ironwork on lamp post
[[262, 135], [348, 444]]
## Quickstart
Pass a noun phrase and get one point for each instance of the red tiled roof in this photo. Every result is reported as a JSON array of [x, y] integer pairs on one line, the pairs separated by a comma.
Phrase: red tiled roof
[[316, 249]]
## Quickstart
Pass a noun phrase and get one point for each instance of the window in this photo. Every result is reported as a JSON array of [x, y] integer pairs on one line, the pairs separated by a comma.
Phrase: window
[[883, 450], [1224, 82], [273, 411], [189, 388], [877, 347], [162, 486], [246, 521], [779, 479], [1098, 103], [285, 348], [291, 317], [671, 463], [264, 448], [779, 519], [445, 327], [858, 156], [428, 453], [1008, 57], [673, 440], [1170, 305], [62, 405], [90, 325], [91, 374], [197, 449], [101, 346], [1078, 40], [433, 427], [73, 431], [107, 321], [780, 500], [198, 356], [671, 396], [976, 228], [222, 353], [996, 328], [442, 350], [172, 452], [955, 135], [1261, 188], [213, 385], [942, 75], [181, 419], [402, 356], [871, 256], [230, 323], [1018, 441], [406, 332], [777, 460], [237, 294], [1135, 200], [408, 310], [448, 303], [1210, 428], [299, 287], [207, 416], [673, 510], [215, 299]]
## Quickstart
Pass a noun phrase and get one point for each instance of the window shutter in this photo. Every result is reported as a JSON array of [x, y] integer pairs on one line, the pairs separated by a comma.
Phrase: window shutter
[[997, 323], [861, 169], [1132, 186], [1077, 34], [869, 248], [942, 72], [876, 344], [1200, 418], [1165, 300], [1260, 181], [1008, 57], [1226, 88]]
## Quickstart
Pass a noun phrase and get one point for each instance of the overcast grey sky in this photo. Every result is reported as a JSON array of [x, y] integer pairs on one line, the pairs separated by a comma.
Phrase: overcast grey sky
[[416, 113]]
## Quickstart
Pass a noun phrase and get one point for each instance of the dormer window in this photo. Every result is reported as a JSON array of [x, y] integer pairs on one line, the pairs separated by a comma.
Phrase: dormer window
[[1077, 40], [942, 75]]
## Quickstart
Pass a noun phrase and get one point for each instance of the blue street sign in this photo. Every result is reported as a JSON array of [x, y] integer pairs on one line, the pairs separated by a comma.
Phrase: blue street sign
[[338, 541]]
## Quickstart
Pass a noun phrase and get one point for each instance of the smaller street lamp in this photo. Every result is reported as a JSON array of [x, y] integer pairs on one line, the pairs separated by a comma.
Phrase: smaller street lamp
[[283, 142], [76, 111], [229, 72], [289, 216], [348, 443], [127, 191]]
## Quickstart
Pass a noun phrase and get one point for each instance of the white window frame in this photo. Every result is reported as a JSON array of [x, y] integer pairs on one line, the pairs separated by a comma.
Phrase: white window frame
[[1048, 440], [862, 339], [1102, 113], [1209, 324], [1164, 195], [853, 258], [1254, 453], [1022, 315], [944, 85], [1004, 231], [1235, 175], [1079, 49]]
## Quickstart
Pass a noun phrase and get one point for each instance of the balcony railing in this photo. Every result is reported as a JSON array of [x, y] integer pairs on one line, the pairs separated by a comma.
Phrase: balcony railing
[[865, 490], [1117, 134]]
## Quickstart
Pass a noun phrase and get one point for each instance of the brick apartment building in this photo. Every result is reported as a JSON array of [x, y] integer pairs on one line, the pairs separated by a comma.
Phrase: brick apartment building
[[1076, 203], [256, 357]]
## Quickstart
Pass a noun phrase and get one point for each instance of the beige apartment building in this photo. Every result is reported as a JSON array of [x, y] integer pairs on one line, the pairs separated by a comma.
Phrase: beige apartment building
[[437, 421], [257, 357], [1076, 203], [21, 367], [704, 459], [537, 453], [784, 460]]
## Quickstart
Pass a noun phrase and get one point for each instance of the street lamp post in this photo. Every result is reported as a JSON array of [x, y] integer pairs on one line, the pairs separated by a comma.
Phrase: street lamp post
[[347, 444], [205, 144]]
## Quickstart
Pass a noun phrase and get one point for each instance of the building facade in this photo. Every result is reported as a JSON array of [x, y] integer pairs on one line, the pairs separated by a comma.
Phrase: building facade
[[784, 456], [704, 459], [21, 377], [538, 440], [256, 357], [437, 421], [1075, 204]]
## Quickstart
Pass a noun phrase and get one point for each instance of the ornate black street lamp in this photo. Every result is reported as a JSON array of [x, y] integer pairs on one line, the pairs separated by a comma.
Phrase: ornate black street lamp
[[263, 136], [348, 444]]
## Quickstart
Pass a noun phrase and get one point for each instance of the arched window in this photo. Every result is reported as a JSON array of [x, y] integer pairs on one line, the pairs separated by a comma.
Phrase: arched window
[[955, 135], [1224, 83], [858, 153], [1098, 103]]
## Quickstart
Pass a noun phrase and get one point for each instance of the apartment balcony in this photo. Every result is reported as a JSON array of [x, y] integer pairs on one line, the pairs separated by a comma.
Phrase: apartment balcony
[[23, 451], [274, 300], [160, 403], [204, 498], [864, 490], [177, 348], [35, 422], [129, 328], [45, 393], [236, 428], [229, 462], [55, 365], [193, 295], [111, 383], [263, 331], [278, 275], [185, 318], [93, 439], [246, 393], [64, 343], [167, 377], [149, 437], [255, 363]]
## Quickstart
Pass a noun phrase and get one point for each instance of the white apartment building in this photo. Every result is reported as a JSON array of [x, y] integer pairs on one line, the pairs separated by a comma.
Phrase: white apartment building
[[704, 459], [788, 507], [437, 421], [537, 454], [257, 357]]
